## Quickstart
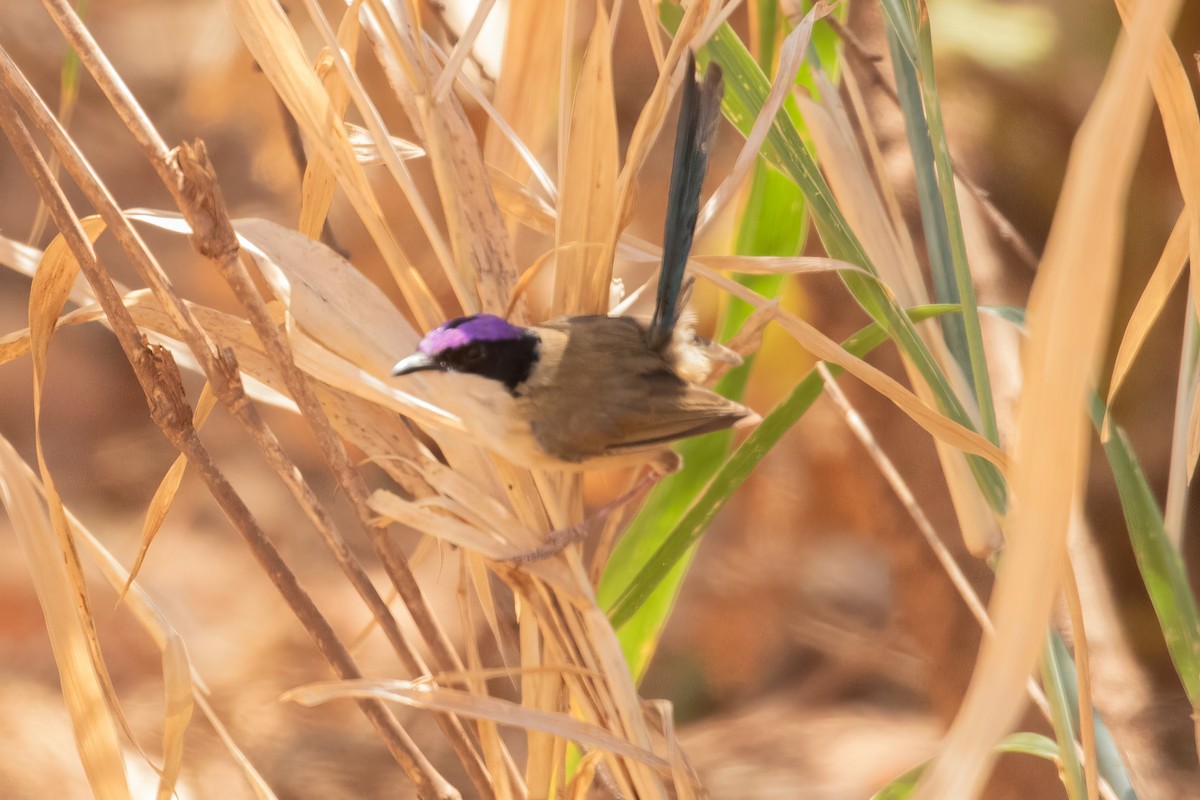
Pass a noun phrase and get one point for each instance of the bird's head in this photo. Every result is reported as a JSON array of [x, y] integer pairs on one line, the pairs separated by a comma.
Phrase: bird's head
[[481, 344]]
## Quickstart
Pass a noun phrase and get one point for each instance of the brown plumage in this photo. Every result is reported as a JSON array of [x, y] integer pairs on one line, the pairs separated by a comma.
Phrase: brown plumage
[[595, 391], [647, 409]]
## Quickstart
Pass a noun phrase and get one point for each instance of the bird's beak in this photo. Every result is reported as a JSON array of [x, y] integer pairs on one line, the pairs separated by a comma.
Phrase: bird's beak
[[417, 362]]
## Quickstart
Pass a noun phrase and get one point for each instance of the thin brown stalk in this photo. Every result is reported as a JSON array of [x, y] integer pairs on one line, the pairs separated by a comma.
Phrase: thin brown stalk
[[159, 378], [202, 197], [203, 212], [188, 177]]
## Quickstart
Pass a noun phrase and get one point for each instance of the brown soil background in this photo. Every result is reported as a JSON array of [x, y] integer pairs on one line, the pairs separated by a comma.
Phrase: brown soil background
[[817, 648]]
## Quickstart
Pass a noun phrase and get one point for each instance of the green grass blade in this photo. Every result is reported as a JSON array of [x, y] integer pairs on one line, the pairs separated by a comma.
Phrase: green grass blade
[[1108, 757], [1162, 569], [746, 92], [768, 227], [929, 199], [901, 20], [1062, 718], [659, 565], [954, 229]]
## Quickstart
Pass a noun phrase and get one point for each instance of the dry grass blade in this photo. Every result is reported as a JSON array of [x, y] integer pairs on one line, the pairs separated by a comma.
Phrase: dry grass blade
[[939, 426], [1070, 310], [451, 529], [495, 754], [651, 119], [156, 371], [886, 239], [52, 285], [277, 49], [900, 487], [960, 581], [483, 268], [791, 57], [164, 495], [83, 690], [24, 259], [778, 265], [353, 329], [527, 161], [587, 203], [1192, 437], [532, 47], [261, 789], [423, 695], [1181, 122], [1153, 298], [1087, 722], [462, 49], [853, 185], [181, 686], [316, 190], [16, 344], [19, 256], [650, 23], [184, 687]]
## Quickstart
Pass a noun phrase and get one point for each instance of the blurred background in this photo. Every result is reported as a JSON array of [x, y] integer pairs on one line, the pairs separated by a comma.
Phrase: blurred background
[[817, 649]]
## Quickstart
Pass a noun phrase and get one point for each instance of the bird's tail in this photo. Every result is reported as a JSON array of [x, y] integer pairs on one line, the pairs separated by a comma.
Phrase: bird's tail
[[698, 114]]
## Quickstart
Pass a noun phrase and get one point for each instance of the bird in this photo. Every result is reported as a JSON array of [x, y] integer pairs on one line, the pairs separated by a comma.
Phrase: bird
[[597, 392]]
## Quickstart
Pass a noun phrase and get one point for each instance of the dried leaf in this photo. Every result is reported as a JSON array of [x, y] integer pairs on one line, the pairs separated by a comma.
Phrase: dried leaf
[[1181, 122], [164, 495], [1151, 303], [527, 95], [83, 689], [1070, 311], [52, 285], [821, 346], [183, 685], [587, 204], [452, 701], [276, 48], [316, 188]]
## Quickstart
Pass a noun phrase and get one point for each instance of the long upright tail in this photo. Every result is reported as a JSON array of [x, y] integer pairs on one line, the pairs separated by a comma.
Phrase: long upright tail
[[698, 114]]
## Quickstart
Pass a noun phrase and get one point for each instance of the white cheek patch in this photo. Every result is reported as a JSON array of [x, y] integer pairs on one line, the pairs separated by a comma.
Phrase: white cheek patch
[[492, 417]]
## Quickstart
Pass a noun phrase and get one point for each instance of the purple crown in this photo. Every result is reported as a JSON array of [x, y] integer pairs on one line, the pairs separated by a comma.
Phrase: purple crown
[[464, 330]]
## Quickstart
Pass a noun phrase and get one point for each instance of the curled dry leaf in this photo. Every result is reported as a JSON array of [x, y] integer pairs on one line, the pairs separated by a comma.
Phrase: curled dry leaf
[[1150, 305], [83, 689], [183, 685], [164, 495]]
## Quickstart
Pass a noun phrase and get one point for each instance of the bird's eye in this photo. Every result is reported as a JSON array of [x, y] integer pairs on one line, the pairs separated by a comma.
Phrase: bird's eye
[[473, 354]]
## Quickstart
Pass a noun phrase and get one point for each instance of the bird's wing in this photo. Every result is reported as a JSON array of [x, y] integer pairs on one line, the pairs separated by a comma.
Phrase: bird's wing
[[641, 411], [692, 412]]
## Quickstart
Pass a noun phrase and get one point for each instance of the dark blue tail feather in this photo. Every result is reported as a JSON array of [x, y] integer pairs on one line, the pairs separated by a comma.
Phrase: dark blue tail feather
[[698, 114]]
